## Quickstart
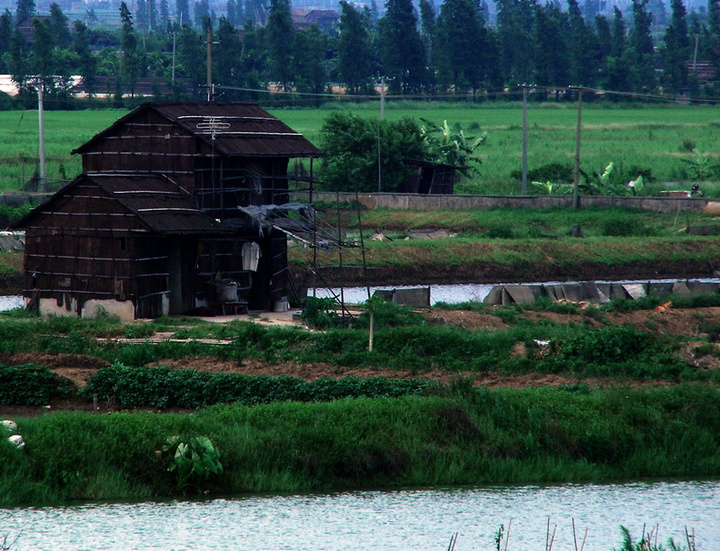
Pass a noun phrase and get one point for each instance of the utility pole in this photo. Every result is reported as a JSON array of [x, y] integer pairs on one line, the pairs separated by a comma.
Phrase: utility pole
[[576, 180], [209, 63], [41, 136], [524, 186], [383, 91]]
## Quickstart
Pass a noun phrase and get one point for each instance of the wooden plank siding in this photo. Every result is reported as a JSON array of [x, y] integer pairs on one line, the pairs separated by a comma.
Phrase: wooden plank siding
[[155, 217]]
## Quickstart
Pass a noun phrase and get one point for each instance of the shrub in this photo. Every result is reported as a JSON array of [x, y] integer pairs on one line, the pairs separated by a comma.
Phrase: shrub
[[625, 227], [608, 344], [31, 385], [550, 172], [320, 313], [162, 387], [193, 460], [388, 314]]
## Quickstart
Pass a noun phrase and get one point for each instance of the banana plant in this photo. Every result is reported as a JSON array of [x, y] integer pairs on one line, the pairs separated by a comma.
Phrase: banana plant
[[451, 147]]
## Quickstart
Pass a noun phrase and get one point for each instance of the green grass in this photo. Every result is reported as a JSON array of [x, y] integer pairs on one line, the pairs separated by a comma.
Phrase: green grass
[[655, 138], [659, 139], [460, 437], [64, 131]]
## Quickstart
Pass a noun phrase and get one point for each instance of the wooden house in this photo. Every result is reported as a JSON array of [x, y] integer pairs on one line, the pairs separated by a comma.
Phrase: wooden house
[[158, 222]]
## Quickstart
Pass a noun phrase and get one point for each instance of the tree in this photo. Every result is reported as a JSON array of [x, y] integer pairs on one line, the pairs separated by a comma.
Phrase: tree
[[618, 65], [354, 48], [42, 61], [163, 21], [24, 9], [550, 57], [88, 63], [6, 29], [141, 14], [227, 62], [676, 49], [182, 11], [643, 75], [515, 23], [401, 48], [460, 31], [130, 56], [428, 27], [280, 38], [60, 27], [235, 14], [17, 62], [191, 56], [254, 56], [582, 48], [354, 146], [308, 60], [604, 36], [202, 14]]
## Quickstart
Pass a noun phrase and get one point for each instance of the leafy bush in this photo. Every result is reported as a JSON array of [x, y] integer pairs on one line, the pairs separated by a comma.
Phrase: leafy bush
[[500, 232], [31, 385], [320, 313], [608, 344], [388, 314], [550, 172], [192, 460], [625, 227], [162, 387]]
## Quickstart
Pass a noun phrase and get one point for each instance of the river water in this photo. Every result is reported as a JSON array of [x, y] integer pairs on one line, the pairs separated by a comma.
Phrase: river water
[[384, 520]]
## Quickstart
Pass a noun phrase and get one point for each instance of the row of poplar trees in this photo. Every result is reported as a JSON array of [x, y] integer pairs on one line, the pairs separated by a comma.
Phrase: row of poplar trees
[[426, 50]]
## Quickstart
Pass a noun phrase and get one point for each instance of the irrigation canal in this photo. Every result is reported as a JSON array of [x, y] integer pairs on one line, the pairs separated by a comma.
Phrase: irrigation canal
[[388, 520], [454, 294]]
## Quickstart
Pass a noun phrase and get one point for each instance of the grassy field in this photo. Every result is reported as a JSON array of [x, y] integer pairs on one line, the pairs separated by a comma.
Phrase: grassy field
[[656, 139]]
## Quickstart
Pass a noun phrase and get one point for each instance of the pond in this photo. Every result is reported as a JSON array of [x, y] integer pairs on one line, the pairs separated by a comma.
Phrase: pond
[[407, 519]]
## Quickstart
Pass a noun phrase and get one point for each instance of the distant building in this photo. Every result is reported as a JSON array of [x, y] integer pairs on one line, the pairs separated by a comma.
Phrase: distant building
[[325, 20]]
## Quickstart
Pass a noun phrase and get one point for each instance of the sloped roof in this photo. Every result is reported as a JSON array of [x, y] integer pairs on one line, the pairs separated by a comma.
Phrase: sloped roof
[[158, 203], [233, 129]]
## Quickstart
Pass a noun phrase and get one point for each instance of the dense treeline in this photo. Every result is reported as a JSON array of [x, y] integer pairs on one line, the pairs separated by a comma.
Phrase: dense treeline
[[441, 49]]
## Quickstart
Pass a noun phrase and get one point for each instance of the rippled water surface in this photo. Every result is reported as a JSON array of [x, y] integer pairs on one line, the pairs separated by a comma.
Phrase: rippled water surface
[[409, 519]]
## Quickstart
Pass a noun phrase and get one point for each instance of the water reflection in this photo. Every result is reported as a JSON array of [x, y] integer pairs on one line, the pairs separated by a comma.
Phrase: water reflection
[[414, 519]]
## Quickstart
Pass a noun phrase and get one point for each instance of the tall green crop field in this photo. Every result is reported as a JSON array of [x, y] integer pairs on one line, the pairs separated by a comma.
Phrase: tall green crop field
[[666, 143]]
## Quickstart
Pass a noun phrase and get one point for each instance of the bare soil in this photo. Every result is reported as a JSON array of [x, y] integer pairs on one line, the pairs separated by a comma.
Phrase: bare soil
[[80, 368]]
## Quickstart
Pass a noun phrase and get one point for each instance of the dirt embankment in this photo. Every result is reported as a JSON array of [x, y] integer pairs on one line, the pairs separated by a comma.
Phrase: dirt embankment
[[487, 272]]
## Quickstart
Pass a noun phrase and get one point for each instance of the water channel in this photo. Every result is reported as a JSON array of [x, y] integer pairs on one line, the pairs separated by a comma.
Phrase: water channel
[[387, 520], [453, 294]]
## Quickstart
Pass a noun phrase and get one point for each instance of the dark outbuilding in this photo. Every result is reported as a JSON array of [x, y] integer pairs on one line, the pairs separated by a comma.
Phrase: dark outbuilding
[[157, 224]]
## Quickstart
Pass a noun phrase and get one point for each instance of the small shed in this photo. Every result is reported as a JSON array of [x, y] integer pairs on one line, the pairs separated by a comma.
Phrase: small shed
[[431, 178], [157, 222]]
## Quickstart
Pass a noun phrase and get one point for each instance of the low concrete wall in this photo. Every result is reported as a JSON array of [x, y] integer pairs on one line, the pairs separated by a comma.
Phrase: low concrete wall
[[485, 202], [47, 307]]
